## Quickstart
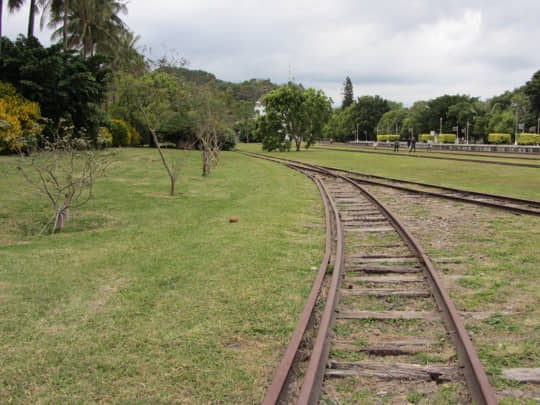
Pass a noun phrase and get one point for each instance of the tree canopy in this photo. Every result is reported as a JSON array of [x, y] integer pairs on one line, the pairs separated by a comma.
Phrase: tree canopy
[[293, 114]]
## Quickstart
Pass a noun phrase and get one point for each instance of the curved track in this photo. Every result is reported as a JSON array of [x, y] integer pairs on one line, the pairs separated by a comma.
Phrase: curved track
[[515, 205], [381, 281]]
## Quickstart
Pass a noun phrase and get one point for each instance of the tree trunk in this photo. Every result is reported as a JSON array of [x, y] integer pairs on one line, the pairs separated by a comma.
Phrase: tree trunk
[[62, 215], [298, 141], [31, 18], [1, 9], [64, 28]]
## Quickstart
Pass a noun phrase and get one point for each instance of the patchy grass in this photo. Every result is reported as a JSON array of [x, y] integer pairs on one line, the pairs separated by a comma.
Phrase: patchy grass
[[147, 298]]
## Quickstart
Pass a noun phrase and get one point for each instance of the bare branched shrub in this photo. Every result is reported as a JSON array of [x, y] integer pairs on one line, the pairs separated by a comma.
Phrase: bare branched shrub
[[64, 171]]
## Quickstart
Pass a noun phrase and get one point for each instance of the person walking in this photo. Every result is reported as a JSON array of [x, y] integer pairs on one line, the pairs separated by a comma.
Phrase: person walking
[[429, 145], [396, 145], [413, 144]]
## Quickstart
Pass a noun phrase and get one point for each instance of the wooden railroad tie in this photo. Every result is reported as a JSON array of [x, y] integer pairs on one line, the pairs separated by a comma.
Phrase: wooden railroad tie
[[389, 315], [396, 371], [385, 292], [385, 269]]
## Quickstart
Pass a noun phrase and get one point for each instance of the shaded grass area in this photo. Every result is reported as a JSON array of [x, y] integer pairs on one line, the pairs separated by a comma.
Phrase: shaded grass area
[[147, 298], [521, 182]]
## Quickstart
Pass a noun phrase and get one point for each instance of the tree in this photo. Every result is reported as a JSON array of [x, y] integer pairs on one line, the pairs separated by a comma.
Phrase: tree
[[66, 86], [293, 113], [348, 97], [318, 109], [63, 170], [532, 91], [392, 121], [88, 25], [156, 96], [14, 5], [212, 127], [366, 113]]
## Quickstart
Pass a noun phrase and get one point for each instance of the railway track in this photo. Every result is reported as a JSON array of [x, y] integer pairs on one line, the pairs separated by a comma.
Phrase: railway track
[[388, 327], [515, 205]]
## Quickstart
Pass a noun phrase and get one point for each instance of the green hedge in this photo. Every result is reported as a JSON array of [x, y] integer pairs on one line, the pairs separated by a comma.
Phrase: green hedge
[[447, 138], [499, 138], [528, 139], [387, 137], [426, 137]]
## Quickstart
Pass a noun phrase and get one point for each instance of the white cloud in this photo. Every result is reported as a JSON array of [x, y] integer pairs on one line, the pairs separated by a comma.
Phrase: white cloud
[[404, 50]]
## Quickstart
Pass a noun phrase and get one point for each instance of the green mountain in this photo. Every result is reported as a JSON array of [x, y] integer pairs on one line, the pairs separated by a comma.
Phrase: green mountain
[[249, 90]]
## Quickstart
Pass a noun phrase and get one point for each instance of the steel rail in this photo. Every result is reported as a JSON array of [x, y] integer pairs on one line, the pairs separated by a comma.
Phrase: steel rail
[[314, 375], [493, 162], [278, 388], [450, 189], [490, 204]]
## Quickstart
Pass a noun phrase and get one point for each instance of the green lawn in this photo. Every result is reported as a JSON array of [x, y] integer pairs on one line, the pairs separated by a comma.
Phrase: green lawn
[[521, 182], [151, 299]]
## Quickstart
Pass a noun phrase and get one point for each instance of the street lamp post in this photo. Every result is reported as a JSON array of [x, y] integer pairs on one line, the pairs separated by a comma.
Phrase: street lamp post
[[516, 131]]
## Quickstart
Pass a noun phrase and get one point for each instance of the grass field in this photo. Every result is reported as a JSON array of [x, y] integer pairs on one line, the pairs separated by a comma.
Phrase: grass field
[[148, 299], [522, 182]]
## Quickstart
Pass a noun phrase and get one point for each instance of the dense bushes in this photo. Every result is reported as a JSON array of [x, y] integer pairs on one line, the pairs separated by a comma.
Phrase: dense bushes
[[18, 119], [67, 87], [447, 138], [387, 138], [499, 138], [528, 139]]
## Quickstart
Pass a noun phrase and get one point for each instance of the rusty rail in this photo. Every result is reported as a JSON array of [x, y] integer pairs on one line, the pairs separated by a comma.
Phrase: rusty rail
[[278, 389]]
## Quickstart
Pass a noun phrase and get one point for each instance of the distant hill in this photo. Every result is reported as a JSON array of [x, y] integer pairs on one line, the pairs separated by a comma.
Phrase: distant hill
[[249, 90]]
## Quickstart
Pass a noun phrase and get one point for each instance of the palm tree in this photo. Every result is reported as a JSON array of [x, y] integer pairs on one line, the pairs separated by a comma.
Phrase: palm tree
[[14, 5], [1, 9], [57, 9], [89, 25]]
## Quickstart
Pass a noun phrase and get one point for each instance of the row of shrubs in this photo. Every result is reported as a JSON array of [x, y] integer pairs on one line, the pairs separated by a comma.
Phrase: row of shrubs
[[522, 139], [387, 138], [495, 138]]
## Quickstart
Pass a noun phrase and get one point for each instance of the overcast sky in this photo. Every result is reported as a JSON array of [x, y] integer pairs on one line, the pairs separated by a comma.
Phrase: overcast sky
[[404, 51]]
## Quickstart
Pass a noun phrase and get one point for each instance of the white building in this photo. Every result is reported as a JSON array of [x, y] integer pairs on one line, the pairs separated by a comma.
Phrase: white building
[[259, 108]]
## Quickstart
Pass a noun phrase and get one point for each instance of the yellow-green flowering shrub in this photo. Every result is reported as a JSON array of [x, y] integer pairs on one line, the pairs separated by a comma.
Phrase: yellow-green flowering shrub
[[105, 137], [447, 138], [387, 137], [426, 137], [528, 139], [18, 119], [499, 138]]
